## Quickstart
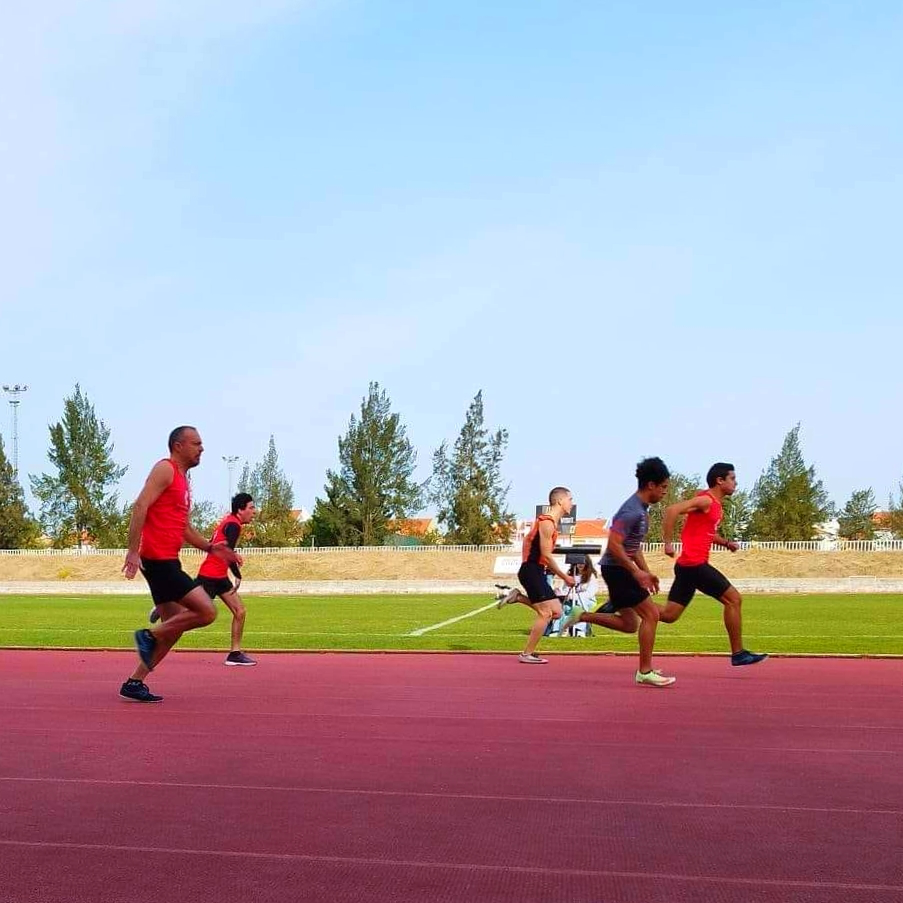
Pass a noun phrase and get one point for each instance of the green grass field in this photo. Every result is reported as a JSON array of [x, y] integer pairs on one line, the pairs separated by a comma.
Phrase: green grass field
[[831, 624]]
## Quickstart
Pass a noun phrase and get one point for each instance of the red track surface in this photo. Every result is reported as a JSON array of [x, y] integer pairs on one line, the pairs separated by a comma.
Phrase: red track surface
[[450, 778]]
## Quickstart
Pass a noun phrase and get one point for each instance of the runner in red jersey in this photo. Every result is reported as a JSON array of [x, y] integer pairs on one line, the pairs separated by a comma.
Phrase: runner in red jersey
[[214, 573], [692, 571], [537, 560], [158, 529]]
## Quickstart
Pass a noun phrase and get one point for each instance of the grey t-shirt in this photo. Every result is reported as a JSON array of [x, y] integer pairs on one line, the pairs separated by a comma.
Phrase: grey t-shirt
[[631, 523]]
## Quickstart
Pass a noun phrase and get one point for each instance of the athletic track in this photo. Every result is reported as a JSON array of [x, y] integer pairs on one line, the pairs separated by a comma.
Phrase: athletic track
[[331, 777]]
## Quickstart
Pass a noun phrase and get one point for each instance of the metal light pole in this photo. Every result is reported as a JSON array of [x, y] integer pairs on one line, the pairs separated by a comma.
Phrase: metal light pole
[[231, 461], [14, 392]]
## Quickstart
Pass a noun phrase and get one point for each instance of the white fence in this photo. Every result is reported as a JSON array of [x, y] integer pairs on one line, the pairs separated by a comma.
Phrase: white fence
[[247, 551], [815, 545], [824, 545]]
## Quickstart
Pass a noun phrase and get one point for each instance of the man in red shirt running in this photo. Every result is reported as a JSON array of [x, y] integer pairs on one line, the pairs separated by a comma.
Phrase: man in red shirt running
[[692, 570], [213, 573], [158, 529], [537, 559]]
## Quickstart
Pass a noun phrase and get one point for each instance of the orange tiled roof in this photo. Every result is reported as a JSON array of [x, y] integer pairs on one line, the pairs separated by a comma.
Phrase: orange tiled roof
[[412, 526], [591, 528]]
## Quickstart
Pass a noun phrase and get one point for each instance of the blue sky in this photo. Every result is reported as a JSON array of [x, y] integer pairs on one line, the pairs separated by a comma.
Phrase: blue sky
[[638, 228]]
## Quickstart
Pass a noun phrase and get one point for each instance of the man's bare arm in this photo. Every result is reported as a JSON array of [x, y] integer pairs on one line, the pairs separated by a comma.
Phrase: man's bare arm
[[547, 548], [220, 549], [158, 480]]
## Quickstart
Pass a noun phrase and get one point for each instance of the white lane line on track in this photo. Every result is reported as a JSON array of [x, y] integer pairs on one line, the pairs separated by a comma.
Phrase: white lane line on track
[[478, 797], [456, 866], [422, 630]]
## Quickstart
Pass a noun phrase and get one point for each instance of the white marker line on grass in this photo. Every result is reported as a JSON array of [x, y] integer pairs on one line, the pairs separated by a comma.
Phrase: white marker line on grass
[[422, 630]]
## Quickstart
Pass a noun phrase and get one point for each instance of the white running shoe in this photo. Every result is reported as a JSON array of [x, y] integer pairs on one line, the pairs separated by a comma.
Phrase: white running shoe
[[654, 679], [572, 619], [509, 598], [530, 659]]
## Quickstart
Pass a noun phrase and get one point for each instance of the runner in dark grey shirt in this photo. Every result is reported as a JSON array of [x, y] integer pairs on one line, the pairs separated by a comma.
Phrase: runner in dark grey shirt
[[632, 524], [626, 574]]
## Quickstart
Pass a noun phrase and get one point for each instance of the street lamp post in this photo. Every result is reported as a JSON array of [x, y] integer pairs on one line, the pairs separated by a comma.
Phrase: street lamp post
[[14, 391], [231, 461]]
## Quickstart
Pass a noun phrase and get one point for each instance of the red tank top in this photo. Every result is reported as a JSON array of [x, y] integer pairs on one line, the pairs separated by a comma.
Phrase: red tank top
[[164, 526], [531, 549], [698, 533], [212, 566]]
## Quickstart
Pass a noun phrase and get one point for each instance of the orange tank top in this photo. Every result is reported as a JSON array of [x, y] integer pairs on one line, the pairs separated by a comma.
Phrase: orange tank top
[[531, 549]]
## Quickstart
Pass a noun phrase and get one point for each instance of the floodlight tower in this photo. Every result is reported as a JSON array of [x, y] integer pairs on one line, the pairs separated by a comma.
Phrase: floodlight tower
[[14, 391], [231, 461]]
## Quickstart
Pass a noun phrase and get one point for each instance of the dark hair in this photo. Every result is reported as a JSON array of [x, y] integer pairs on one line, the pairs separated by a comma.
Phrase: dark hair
[[651, 470], [176, 435], [240, 500], [587, 566], [557, 493], [718, 472]]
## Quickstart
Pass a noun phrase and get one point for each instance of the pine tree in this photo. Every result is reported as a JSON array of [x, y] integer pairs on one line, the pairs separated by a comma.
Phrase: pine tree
[[856, 520], [375, 481], [204, 517], [79, 502], [467, 484], [895, 513], [274, 525], [736, 515], [789, 501], [18, 529]]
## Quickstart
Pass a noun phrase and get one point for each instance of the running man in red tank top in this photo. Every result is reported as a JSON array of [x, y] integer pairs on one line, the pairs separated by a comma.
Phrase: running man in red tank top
[[157, 531], [692, 571], [214, 573], [537, 560]]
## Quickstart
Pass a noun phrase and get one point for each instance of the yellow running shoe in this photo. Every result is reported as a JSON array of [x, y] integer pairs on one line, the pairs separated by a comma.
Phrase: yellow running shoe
[[654, 679]]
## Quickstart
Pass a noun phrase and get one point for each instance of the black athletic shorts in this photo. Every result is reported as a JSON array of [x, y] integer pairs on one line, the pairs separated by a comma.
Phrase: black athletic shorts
[[532, 577], [215, 586], [166, 579], [623, 590], [702, 577]]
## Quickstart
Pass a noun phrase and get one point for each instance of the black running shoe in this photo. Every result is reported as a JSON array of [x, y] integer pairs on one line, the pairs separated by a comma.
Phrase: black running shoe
[[607, 609], [145, 643], [745, 657], [154, 615], [137, 691]]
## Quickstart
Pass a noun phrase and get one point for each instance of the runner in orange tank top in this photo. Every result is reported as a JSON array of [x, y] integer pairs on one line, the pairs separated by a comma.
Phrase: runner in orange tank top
[[692, 571], [157, 531], [537, 560]]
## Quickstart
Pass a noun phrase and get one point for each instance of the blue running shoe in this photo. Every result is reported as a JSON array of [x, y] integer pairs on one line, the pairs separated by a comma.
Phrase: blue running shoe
[[745, 657], [145, 643], [137, 691]]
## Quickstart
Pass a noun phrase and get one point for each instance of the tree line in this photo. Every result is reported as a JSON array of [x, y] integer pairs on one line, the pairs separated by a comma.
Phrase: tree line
[[373, 490]]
